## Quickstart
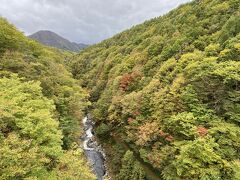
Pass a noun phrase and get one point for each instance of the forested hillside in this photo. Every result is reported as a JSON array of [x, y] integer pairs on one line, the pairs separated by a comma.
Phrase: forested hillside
[[41, 106], [166, 94]]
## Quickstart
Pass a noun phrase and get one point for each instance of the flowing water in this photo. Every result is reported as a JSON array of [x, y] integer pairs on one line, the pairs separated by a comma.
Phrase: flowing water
[[93, 151], [96, 156]]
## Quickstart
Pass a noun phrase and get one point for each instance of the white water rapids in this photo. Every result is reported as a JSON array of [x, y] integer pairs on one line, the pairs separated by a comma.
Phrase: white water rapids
[[92, 150]]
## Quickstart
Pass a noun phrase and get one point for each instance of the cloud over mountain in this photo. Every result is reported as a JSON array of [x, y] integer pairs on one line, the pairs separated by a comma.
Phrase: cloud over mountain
[[86, 21]]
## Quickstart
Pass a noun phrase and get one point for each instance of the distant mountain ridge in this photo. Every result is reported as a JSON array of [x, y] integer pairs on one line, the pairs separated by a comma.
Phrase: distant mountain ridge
[[52, 39]]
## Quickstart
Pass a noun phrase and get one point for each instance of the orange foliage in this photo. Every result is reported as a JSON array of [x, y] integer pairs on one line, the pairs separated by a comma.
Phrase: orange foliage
[[126, 80], [202, 131], [169, 138], [147, 132], [162, 134]]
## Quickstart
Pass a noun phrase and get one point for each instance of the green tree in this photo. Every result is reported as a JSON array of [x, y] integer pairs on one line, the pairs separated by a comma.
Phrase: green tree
[[30, 137], [131, 169]]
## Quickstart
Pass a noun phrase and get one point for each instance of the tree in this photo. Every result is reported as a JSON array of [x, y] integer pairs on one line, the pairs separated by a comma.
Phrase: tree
[[72, 165], [10, 38], [30, 138], [182, 108], [198, 159], [131, 169], [27, 124]]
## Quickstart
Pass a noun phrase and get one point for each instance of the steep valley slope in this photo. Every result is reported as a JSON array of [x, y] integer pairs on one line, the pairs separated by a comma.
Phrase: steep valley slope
[[167, 93]]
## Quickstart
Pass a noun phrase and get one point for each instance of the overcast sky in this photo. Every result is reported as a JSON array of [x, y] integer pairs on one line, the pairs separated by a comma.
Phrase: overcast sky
[[85, 21]]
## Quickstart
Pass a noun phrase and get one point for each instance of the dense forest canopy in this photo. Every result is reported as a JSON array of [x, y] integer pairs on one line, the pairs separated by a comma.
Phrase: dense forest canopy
[[165, 96], [169, 89], [41, 106]]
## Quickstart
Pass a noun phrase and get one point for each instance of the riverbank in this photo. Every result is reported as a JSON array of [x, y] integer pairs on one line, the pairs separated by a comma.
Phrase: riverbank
[[115, 149]]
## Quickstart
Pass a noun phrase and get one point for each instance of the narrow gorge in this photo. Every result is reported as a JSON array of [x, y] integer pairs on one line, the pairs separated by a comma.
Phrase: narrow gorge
[[92, 149], [162, 97]]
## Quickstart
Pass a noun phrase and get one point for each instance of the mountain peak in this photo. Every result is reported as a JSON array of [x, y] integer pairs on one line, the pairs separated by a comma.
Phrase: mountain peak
[[52, 39]]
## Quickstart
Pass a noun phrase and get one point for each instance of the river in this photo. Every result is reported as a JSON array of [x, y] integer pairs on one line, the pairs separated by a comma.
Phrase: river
[[96, 156], [93, 150]]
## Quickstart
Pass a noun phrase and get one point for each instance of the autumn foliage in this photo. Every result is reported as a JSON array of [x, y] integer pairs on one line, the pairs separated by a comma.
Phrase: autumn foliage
[[126, 80], [170, 88], [202, 131]]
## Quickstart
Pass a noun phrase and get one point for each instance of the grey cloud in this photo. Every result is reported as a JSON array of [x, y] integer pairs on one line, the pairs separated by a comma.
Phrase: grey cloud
[[86, 21]]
